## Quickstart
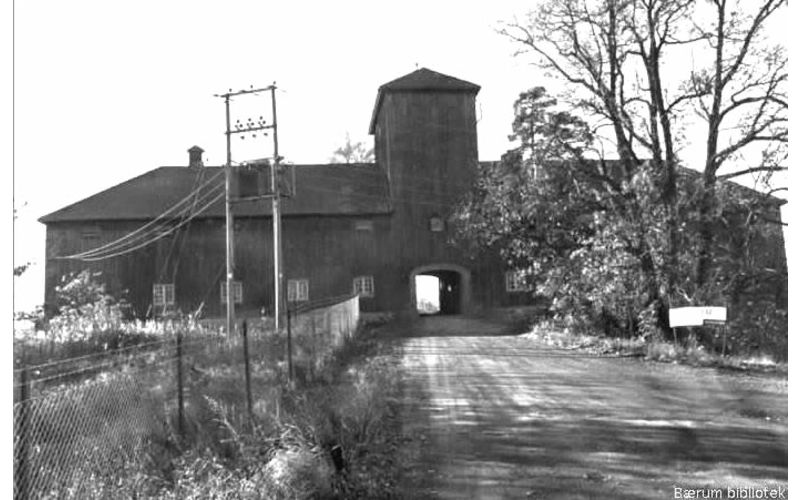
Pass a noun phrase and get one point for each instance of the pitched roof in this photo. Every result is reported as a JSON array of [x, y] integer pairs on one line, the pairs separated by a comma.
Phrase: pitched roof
[[420, 80], [335, 189], [426, 79]]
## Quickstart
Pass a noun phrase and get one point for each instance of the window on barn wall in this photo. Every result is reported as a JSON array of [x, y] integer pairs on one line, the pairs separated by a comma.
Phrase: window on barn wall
[[90, 238], [236, 287], [363, 225], [298, 290], [519, 280], [163, 294], [436, 224], [364, 286]]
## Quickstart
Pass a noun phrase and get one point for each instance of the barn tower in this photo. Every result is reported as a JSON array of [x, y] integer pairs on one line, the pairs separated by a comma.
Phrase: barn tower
[[426, 145], [425, 135]]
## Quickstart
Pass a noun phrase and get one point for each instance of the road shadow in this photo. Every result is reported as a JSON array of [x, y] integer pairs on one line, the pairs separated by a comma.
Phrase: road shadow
[[450, 326], [573, 435]]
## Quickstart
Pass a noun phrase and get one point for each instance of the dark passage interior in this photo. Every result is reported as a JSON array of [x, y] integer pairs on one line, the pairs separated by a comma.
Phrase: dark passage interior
[[438, 292]]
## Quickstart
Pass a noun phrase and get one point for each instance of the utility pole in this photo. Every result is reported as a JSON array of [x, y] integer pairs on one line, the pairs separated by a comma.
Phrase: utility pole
[[277, 251], [229, 312], [243, 128]]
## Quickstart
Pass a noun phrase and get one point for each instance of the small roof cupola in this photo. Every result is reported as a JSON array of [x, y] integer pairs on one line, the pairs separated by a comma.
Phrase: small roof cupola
[[195, 157]]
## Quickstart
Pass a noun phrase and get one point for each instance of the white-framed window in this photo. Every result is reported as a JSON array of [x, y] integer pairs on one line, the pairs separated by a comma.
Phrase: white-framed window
[[364, 286], [298, 290], [163, 294], [519, 280], [236, 287], [436, 224]]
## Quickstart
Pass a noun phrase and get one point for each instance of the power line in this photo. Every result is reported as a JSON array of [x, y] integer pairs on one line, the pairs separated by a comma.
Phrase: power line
[[147, 225], [118, 244], [158, 237], [177, 236]]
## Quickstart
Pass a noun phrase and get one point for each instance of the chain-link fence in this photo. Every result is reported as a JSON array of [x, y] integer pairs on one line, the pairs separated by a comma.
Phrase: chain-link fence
[[84, 426]]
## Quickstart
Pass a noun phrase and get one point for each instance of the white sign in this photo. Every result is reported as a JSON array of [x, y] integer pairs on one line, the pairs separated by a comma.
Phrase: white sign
[[697, 316]]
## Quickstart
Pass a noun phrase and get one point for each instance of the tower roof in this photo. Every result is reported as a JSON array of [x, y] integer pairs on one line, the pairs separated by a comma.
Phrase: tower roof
[[426, 79], [420, 80]]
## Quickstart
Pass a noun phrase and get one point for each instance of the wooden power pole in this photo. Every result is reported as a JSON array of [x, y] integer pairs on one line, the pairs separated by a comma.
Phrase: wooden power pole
[[244, 128], [276, 217]]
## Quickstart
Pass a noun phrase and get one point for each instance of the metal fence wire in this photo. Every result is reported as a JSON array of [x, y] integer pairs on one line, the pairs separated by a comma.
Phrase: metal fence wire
[[70, 435], [82, 425]]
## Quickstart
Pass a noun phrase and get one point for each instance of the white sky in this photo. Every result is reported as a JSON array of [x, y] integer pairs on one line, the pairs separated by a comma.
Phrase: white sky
[[105, 91]]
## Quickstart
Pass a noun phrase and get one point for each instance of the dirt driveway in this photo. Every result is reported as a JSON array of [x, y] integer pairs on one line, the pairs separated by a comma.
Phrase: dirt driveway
[[493, 416]]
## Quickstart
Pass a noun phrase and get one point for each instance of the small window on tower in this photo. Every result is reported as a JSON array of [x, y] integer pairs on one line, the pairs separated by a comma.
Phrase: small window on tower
[[436, 224]]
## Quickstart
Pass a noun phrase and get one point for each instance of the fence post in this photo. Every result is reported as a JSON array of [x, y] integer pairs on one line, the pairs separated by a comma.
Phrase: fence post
[[21, 475], [313, 317], [724, 339], [247, 370], [289, 343], [180, 382]]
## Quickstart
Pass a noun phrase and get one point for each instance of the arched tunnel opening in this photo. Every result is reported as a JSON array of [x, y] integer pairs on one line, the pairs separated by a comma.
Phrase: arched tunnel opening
[[438, 292]]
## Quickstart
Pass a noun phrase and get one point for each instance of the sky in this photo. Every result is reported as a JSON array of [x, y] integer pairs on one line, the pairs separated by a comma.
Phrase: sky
[[105, 91]]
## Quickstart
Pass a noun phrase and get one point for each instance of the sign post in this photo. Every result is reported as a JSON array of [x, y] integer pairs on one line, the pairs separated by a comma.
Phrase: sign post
[[700, 316]]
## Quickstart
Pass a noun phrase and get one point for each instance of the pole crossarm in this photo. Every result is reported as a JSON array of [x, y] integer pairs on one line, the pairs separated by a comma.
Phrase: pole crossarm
[[249, 129], [242, 92], [251, 126]]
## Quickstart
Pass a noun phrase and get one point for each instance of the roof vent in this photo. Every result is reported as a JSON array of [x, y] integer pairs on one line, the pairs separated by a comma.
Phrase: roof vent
[[195, 157]]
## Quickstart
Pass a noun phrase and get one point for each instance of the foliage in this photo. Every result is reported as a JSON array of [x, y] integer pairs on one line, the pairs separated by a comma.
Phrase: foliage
[[284, 450], [84, 308], [353, 152], [20, 270], [615, 242], [594, 231]]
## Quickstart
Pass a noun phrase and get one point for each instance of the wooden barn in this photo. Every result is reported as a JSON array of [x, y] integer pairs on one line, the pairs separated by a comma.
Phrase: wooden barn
[[366, 228]]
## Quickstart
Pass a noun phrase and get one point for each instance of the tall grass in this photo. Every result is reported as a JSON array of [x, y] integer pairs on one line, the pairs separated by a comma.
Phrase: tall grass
[[116, 434], [687, 350]]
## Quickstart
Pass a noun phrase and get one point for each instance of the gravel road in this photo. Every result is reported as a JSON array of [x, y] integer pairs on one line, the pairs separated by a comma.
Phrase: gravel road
[[487, 415]]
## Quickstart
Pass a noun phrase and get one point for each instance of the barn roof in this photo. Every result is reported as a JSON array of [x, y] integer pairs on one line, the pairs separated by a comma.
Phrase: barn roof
[[420, 80], [333, 189]]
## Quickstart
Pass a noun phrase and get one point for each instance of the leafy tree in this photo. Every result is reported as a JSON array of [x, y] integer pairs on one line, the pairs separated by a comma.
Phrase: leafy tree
[[593, 232], [352, 152], [85, 308], [586, 228], [613, 56]]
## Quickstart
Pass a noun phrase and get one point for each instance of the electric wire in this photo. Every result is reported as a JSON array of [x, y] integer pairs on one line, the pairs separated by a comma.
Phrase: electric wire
[[171, 209], [184, 233], [156, 238], [165, 224], [164, 230]]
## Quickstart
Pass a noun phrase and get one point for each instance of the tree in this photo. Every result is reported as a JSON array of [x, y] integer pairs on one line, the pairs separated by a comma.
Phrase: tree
[[614, 55], [585, 227], [353, 153]]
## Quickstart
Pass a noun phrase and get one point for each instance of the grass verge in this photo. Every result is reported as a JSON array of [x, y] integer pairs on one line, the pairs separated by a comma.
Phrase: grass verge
[[655, 350], [333, 435]]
